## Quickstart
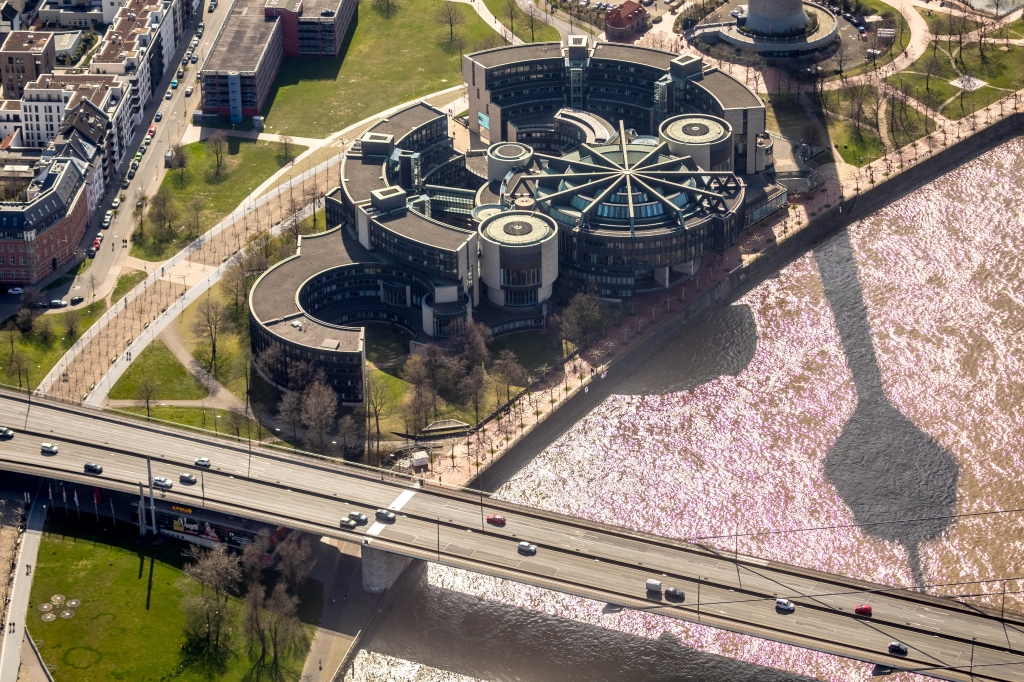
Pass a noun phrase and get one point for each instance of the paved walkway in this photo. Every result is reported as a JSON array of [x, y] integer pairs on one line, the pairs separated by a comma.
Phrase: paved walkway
[[198, 133], [492, 21], [32, 667], [10, 656]]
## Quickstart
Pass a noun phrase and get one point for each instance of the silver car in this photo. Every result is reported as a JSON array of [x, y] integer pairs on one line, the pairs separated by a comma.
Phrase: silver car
[[161, 482], [187, 478], [526, 548], [49, 448], [784, 605]]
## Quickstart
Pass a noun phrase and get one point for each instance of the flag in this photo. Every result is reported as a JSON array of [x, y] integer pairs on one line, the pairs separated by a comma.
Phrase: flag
[[64, 493], [76, 497], [49, 486]]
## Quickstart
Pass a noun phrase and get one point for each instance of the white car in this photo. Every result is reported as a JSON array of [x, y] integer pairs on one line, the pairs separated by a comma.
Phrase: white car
[[49, 448], [161, 482], [784, 605], [526, 548], [16, 291], [203, 462], [116, 202], [168, 95]]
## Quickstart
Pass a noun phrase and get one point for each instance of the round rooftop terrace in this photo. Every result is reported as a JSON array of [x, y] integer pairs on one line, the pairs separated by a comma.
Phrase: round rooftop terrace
[[517, 228]]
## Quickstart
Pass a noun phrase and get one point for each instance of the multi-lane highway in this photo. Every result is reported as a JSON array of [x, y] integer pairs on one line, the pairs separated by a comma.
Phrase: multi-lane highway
[[944, 638]]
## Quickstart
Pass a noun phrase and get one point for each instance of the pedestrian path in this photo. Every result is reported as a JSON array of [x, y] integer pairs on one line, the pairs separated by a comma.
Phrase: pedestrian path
[[492, 21], [10, 655]]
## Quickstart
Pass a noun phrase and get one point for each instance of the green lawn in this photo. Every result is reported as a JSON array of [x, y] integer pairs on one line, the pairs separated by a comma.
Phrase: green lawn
[[384, 61], [939, 25], [906, 125], [932, 91], [209, 419], [1000, 68], [1015, 29], [36, 352], [785, 116], [385, 343], [973, 101], [129, 625], [158, 363], [532, 349], [245, 166], [856, 148], [541, 33], [126, 281]]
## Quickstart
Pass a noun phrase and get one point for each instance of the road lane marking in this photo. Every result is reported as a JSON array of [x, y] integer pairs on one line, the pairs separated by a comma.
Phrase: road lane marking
[[395, 506]]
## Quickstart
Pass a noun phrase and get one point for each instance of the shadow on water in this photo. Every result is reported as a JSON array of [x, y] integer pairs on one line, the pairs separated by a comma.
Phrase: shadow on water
[[883, 466], [489, 640], [722, 344]]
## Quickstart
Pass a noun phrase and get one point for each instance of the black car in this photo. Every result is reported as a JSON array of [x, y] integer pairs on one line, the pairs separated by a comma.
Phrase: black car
[[75, 300], [91, 468], [385, 515], [674, 594], [898, 648]]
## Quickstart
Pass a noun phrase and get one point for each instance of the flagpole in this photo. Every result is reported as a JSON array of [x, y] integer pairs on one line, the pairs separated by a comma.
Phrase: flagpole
[[112, 517]]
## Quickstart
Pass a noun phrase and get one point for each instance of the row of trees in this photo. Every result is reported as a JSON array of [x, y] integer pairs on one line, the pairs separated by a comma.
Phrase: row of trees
[[270, 628]]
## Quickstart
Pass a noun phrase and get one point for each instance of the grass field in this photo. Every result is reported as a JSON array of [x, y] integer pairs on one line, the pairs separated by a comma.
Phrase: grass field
[[532, 349], [126, 281], [39, 351], [215, 421], [384, 343], [245, 166], [520, 23], [384, 61], [856, 148], [999, 67], [939, 22], [129, 625], [158, 363]]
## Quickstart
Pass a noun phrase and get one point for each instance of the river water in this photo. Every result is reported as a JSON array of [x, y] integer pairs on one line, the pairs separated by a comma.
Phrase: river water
[[872, 390]]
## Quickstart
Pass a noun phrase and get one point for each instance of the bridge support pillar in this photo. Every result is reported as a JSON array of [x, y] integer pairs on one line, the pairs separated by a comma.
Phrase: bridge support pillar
[[380, 568]]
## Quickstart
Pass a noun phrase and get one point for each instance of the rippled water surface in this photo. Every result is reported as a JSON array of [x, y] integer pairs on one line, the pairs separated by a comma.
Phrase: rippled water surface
[[877, 379]]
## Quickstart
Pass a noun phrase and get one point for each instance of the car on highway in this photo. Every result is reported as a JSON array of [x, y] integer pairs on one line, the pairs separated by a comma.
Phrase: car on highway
[[188, 91], [174, 84], [16, 291], [6, 432], [107, 217], [203, 462], [898, 648], [347, 524], [161, 482], [674, 594], [496, 519], [187, 479], [863, 610], [168, 95], [159, 116], [784, 605], [93, 468], [49, 448], [75, 300], [526, 548], [653, 585], [195, 58], [385, 515], [58, 303], [358, 517]]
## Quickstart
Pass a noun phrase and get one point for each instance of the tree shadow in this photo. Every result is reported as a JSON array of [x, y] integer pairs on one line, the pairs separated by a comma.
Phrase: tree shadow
[[883, 466], [722, 344]]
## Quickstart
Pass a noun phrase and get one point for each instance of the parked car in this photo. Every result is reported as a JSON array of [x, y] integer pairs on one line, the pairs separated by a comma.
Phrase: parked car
[[99, 236], [202, 25], [188, 479], [188, 91], [496, 519], [203, 462], [124, 183], [195, 58], [16, 291], [898, 648], [6, 432], [91, 252], [347, 524], [212, 7], [184, 60], [674, 594], [174, 84], [161, 482], [131, 174], [148, 139], [75, 300], [168, 95], [107, 217], [49, 448], [784, 605], [159, 116], [58, 303], [181, 74], [93, 468], [526, 548], [385, 515], [863, 610], [358, 517], [116, 202]]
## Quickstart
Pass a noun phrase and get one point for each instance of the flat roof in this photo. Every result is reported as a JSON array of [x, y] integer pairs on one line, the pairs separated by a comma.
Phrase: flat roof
[[18, 41], [311, 9], [634, 54], [242, 40], [517, 53], [361, 175], [728, 91], [402, 122], [315, 333], [412, 225], [90, 86], [274, 295]]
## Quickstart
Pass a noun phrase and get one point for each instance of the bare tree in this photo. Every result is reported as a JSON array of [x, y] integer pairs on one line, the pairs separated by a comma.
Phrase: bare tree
[[72, 323], [295, 559], [450, 16], [319, 411], [145, 394], [379, 403], [350, 431], [509, 11], [208, 325], [218, 144], [195, 207], [290, 411], [237, 420], [386, 8], [842, 58], [533, 20], [472, 388], [91, 279], [179, 161], [218, 572], [286, 146], [139, 212], [315, 196]]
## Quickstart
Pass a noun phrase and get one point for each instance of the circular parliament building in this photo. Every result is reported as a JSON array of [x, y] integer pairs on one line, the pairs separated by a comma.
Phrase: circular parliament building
[[608, 166]]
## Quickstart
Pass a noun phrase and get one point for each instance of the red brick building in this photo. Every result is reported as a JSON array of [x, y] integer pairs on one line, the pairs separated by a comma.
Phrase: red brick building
[[621, 23]]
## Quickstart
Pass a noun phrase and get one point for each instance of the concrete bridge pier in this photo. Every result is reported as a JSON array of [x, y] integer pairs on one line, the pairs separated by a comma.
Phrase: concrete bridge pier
[[381, 568]]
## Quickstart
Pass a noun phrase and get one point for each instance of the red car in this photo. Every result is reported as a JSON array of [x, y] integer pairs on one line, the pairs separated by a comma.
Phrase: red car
[[496, 520], [863, 610], [152, 130]]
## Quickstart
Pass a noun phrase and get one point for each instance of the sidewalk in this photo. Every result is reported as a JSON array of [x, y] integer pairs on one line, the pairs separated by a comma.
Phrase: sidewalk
[[10, 657]]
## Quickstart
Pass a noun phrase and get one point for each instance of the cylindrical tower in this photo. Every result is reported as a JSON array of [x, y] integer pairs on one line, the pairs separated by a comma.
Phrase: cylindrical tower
[[776, 17], [705, 139], [519, 257], [504, 156]]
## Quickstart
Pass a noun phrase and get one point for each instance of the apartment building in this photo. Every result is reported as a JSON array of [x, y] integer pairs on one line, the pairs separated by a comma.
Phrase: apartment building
[[26, 55]]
